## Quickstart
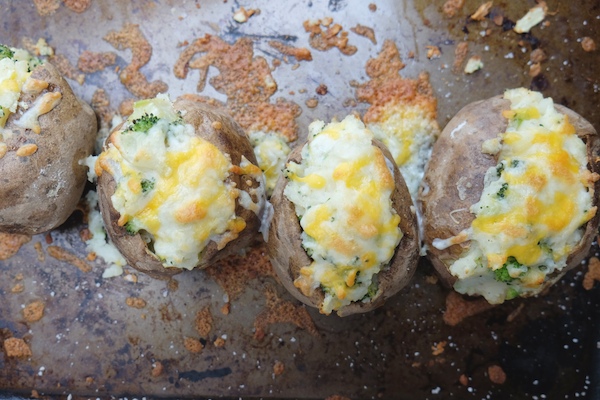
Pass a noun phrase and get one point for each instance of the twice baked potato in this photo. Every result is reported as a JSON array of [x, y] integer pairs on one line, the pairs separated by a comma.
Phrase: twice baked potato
[[344, 234], [45, 130], [178, 186], [510, 196]]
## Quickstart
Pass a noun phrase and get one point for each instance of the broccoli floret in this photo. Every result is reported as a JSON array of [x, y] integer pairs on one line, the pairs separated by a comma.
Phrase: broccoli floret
[[502, 275], [499, 169], [502, 192], [5, 52], [512, 293], [143, 123], [371, 291], [147, 185], [130, 229]]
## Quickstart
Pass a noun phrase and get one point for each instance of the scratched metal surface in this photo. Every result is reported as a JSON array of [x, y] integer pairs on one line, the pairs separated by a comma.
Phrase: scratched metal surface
[[90, 344]]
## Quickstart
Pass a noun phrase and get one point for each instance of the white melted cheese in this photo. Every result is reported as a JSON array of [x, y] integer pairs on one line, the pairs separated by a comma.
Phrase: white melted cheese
[[173, 186], [532, 208], [409, 132], [271, 151], [342, 193]]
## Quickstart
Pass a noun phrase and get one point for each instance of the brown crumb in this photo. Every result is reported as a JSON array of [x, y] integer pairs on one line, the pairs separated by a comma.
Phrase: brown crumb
[[535, 69], [300, 53], [433, 52], [226, 309], [333, 36], [40, 251], [458, 308], [126, 107], [64, 66], [35, 394], [496, 374], [593, 273], [538, 55], [78, 6], [192, 345], [204, 322], [498, 19], [131, 37], [460, 54], [14, 347], [46, 7], [135, 302], [101, 105], [278, 368], [438, 348], [482, 11], [312, 102], [34, 311], [515, 313], [321, 89], [10, 243], [365, 31], [63, 255], [18, 288], [337, 397], [173, 284], [452, 7], [90, 62], [89, 380], [130, 277], [219, 342], [372, 7], [463, 380], [157, 369], [280, 311], [432, 279], [588, 44]]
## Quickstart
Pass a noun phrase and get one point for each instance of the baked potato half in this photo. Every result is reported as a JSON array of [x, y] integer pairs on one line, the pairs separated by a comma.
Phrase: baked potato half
[[178, 187], [344, 235], [510, 196], [45, 130]]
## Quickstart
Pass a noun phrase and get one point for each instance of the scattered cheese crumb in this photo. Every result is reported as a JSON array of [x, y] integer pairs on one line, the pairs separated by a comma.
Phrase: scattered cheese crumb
[[482, 11], [533, 17], [474, 64], [242, 15], [588, 44]]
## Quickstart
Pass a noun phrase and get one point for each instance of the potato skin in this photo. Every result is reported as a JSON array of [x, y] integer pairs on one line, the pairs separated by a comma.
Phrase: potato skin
[[39, 192], [223, 132], [288, 257], [457, 162]]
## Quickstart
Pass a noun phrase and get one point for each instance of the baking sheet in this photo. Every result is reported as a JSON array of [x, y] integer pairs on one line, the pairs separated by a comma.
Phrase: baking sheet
[[91, 343]]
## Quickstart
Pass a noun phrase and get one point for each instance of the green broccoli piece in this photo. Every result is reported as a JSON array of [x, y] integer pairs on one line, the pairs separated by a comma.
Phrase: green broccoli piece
[[130, 228], [502, 192], [371, 291], [499, 169], [6, 52], [502, 275], [512, 293], [147, 185], [143, 123]]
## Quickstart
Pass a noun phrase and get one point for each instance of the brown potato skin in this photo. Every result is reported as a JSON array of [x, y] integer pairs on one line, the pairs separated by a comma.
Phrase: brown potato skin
[[461, 157], [67, 136], [288, 257], [223, 132]]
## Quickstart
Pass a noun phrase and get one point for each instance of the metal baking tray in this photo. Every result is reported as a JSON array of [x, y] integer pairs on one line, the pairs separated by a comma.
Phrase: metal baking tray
[[92, 342]]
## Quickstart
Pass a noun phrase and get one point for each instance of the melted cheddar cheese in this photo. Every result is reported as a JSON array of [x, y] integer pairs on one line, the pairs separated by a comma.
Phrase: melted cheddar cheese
[[15, 69], [342, 194], [172, 186], [532, 208], [409, 132], [271, 151]]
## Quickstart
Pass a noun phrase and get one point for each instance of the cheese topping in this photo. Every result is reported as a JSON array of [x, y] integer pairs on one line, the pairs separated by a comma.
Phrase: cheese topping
[[342, 193], [15, 69], [533, 206], [271, 151], [172, 186], [408, 131]]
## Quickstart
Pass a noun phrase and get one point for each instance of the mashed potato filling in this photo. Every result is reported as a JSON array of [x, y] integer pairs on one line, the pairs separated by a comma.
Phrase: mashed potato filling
[[533, 206], [271, 151], [342, 194], [408, 131], [172, 186], [15, 68]]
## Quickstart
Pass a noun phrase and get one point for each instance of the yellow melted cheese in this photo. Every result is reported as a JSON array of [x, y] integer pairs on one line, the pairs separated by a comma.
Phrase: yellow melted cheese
[[409, 132], [533, 206], [172, 186], [341, 192], [271, 151]]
